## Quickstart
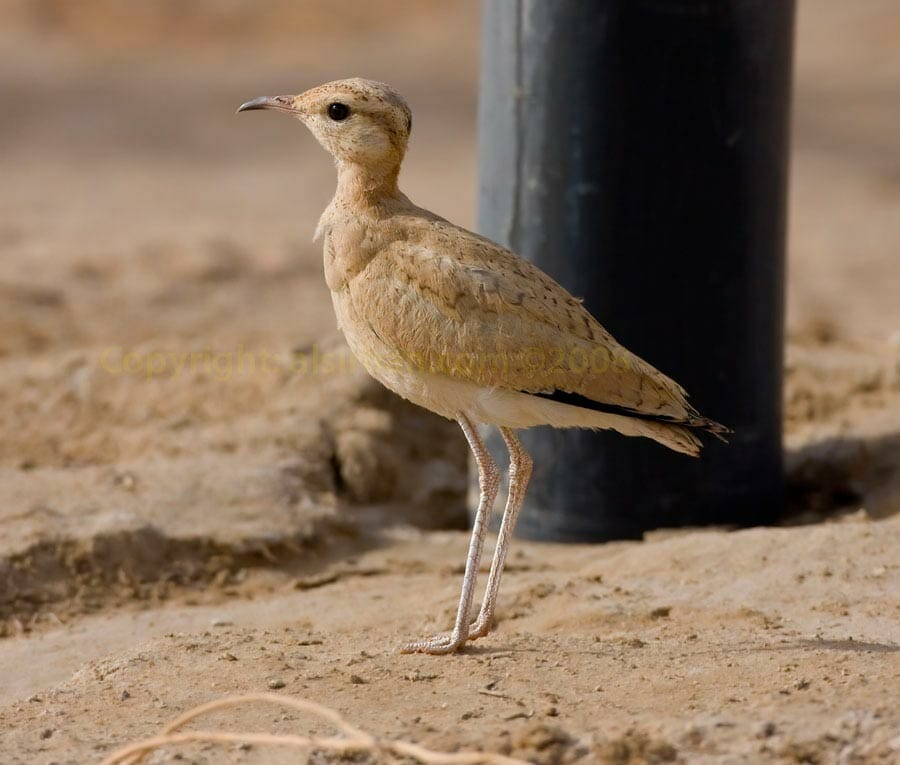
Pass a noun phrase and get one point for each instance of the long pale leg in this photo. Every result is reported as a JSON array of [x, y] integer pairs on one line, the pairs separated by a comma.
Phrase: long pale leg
[[488, 481], [519, 473]]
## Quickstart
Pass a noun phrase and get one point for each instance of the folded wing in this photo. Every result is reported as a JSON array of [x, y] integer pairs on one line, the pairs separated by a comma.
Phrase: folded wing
[[484, 315]]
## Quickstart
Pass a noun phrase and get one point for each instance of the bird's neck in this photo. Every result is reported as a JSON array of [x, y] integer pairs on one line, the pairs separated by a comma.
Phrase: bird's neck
[[366, 185]]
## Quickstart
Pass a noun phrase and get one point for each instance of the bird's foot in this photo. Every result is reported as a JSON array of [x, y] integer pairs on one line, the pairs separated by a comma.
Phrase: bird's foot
[[480, 627], [442, 643], [448, 642]]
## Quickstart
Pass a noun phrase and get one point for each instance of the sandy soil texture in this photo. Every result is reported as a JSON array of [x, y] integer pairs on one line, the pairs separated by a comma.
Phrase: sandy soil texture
[[201, 494]]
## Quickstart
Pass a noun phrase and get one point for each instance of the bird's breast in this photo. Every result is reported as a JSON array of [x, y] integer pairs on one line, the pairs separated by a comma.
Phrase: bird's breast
[[384, 362], [347, 250]]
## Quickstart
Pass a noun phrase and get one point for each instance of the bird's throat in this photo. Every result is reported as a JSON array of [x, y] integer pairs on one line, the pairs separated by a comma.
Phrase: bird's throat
[[366, 185]]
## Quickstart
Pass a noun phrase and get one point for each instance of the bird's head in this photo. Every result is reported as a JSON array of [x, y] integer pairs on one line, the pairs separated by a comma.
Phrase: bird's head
[[358, 121]]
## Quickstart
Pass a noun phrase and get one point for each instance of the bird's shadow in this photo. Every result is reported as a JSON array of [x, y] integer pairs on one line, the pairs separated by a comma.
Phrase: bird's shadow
[[613, 649], [857, 646]]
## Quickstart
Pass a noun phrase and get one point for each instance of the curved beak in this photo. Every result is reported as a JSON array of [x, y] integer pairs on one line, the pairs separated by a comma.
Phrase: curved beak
[[278, 103]]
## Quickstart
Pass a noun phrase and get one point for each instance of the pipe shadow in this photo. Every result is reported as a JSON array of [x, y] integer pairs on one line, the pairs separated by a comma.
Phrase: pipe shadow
[[837, 476]]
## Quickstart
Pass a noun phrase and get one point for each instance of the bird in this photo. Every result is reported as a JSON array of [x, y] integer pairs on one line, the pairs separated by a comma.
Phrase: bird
[[463, 326]]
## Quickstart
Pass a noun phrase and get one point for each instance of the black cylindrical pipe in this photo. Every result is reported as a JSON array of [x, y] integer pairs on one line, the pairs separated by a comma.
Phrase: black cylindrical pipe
[[637, 151]]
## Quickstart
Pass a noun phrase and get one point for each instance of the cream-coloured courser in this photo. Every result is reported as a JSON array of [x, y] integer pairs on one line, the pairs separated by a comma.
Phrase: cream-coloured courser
[[462, 326]]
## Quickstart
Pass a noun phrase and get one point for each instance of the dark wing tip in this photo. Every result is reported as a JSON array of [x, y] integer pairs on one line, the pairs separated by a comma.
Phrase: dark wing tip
[[694, 419], [717, 429]]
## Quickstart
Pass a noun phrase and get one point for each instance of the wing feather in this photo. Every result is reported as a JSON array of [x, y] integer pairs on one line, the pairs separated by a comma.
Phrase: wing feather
[[451, 302]]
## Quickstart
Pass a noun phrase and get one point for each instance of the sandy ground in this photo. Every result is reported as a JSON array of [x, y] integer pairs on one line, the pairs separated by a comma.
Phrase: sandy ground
[[201, 495]]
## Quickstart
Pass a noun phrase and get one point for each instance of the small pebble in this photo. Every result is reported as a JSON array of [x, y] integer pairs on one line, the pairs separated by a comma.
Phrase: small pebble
[[126, 480], [276, 682], [357, 680]]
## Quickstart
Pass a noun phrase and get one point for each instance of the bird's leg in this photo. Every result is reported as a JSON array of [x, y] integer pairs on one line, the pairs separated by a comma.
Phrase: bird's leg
[[488, 481], [519, 473]]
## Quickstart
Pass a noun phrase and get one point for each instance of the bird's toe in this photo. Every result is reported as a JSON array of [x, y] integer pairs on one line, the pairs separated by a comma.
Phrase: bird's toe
[[438, 645]]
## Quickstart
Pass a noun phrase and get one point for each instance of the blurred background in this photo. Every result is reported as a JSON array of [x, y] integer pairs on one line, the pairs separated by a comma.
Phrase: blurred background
[[136, 210], [140, 217]]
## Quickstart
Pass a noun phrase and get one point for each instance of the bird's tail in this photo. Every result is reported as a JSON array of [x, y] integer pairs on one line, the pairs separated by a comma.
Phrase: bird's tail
[[677, 437]]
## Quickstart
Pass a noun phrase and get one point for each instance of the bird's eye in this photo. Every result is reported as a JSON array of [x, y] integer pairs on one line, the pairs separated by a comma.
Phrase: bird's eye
[[338, 111]]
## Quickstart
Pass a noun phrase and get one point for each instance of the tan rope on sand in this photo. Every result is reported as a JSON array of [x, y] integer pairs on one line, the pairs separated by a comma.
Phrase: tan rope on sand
[[353, 740]]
